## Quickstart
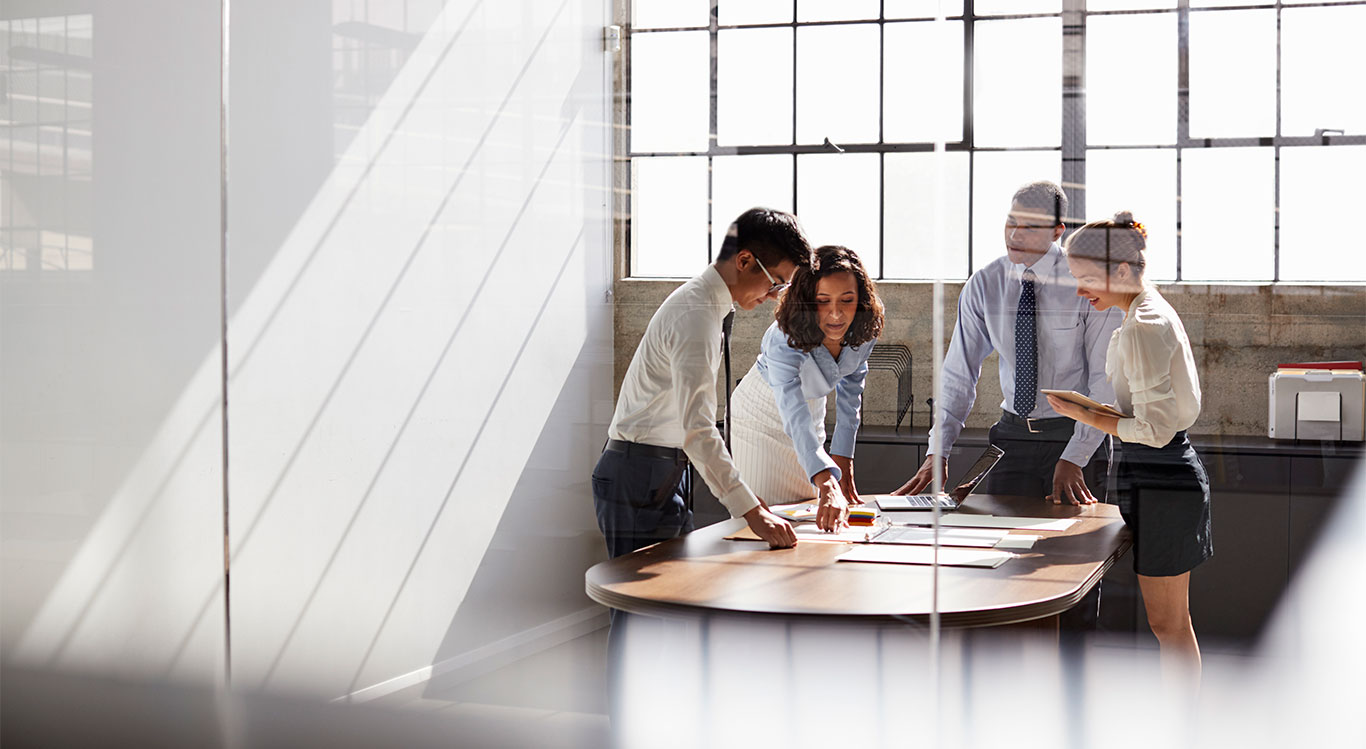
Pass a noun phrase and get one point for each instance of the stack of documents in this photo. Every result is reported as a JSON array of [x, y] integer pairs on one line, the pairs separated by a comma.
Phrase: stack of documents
[[887, 554]]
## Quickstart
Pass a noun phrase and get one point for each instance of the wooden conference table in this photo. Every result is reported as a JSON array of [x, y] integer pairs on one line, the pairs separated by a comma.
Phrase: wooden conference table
[[703, 574]]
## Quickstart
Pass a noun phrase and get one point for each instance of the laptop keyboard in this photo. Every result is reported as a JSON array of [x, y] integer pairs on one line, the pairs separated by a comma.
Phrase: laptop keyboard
[[928, 500]]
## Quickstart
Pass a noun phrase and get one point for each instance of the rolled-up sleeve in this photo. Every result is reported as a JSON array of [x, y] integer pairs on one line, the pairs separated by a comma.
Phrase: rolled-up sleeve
[[848, 406], [1147, 351], [693, 368], [783, 372]]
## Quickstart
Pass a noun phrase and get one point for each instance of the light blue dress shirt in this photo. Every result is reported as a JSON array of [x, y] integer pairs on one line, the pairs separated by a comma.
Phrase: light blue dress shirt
[[1072, 339], [797, 376]]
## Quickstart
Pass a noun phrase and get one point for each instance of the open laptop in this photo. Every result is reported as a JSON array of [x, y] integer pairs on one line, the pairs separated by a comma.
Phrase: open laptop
[[953, 499]]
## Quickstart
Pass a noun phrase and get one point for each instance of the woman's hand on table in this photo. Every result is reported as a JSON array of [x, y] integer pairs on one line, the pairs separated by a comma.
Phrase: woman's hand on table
[[846, 466], [832, 509]]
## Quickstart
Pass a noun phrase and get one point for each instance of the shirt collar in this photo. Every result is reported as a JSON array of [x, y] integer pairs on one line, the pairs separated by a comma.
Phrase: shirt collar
[[714, 285], [1133, 306], [1046, 269]]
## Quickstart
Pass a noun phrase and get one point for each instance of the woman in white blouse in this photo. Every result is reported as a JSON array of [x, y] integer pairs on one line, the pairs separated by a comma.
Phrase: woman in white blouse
[[827, 323], [1163, 488]]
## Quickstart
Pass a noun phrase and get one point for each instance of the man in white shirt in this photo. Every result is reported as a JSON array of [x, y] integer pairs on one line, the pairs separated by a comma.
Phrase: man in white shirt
[[666, 412]]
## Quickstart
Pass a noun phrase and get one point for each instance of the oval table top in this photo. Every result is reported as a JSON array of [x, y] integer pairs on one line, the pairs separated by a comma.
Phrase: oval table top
[[702, 573]]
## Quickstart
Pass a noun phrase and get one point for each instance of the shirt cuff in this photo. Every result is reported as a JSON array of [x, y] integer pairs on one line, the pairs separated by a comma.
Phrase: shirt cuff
[[842, 443], [739, 501], [1077, 455], [1127, 430], [817, 462]]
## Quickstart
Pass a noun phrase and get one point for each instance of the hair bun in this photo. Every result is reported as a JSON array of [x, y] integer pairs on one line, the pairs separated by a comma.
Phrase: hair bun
[[1126, 220]]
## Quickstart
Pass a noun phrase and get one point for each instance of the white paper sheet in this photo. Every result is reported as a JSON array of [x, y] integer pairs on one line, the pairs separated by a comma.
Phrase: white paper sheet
[[897, 554]]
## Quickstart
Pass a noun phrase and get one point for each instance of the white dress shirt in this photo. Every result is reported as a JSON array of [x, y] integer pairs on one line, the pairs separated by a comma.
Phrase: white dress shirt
[[668, 397], [1071, 346], [1153, 370]]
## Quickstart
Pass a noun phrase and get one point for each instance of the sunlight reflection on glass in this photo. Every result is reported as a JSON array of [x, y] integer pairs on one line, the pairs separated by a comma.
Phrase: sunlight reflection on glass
[[838, 202], [1227, 214], [910, 213], [995, 178], [1317, 207], [739, 183], [1130, 71], [668, 215], [734, 13], [923, 82], [836, 10], [921, 8], [1017, 97], [652, 14], [1233, 86], [1142, 181], [1322, 62], [837, 83], [669, 91], [754, 87]]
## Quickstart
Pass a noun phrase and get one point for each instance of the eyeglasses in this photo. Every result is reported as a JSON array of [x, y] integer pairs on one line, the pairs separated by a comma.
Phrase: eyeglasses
[[777, 285]]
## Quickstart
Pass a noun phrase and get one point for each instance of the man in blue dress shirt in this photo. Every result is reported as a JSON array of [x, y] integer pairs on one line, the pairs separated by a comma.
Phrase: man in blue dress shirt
[[1024, 306]]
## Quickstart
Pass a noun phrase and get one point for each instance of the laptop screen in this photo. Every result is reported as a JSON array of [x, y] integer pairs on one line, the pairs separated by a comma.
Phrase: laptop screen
[[977, 472]]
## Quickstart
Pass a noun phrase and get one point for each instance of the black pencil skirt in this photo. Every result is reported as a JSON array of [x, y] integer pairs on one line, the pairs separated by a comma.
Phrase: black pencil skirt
[[1164, 498]]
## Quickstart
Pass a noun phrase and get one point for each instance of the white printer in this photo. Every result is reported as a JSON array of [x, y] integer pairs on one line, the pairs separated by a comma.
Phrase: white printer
[[1318, 401]]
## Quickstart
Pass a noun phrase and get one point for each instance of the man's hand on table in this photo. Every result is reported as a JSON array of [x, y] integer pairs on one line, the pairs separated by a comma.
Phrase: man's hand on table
[[925, 476], [771, 528], [1069, 486]]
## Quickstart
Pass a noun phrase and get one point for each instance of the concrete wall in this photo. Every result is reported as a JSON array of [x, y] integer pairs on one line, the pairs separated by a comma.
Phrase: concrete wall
[[418, 343], [1239, 334]]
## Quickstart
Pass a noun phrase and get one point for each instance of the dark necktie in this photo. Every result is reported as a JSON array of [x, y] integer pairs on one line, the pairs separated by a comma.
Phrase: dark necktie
[[726, 324], [1026, 349]]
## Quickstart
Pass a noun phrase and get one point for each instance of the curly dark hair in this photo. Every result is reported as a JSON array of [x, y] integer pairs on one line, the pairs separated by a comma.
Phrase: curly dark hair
[[796, 312]]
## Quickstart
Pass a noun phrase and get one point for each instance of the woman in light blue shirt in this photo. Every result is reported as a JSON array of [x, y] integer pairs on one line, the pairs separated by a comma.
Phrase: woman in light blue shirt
[[827, 323]]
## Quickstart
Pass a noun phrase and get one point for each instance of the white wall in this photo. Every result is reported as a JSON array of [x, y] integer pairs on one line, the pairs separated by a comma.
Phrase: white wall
[[419, 346], [112, 453]]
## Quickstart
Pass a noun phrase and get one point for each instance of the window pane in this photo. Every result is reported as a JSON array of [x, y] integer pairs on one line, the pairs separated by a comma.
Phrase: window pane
[[1319, 205], [668, 216], [837, 84], [652, 14], [1128, 104], [916, 199], [739, 183], [921, 8], [995, 178], [1129, 4], [669, 91], [923, 82], [1233, 84], [837, 202], [1017, 98], [837, 10], [1322, 60], [1227, 214], [1016, 7], [1142, 181], [754, 87], [737, 12]]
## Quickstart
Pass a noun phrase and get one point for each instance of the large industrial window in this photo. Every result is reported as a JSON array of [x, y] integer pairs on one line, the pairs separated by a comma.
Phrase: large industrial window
[[1235, 131]]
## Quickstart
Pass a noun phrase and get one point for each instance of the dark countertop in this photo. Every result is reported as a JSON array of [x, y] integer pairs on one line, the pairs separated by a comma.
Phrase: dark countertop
[[1227, 443]]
